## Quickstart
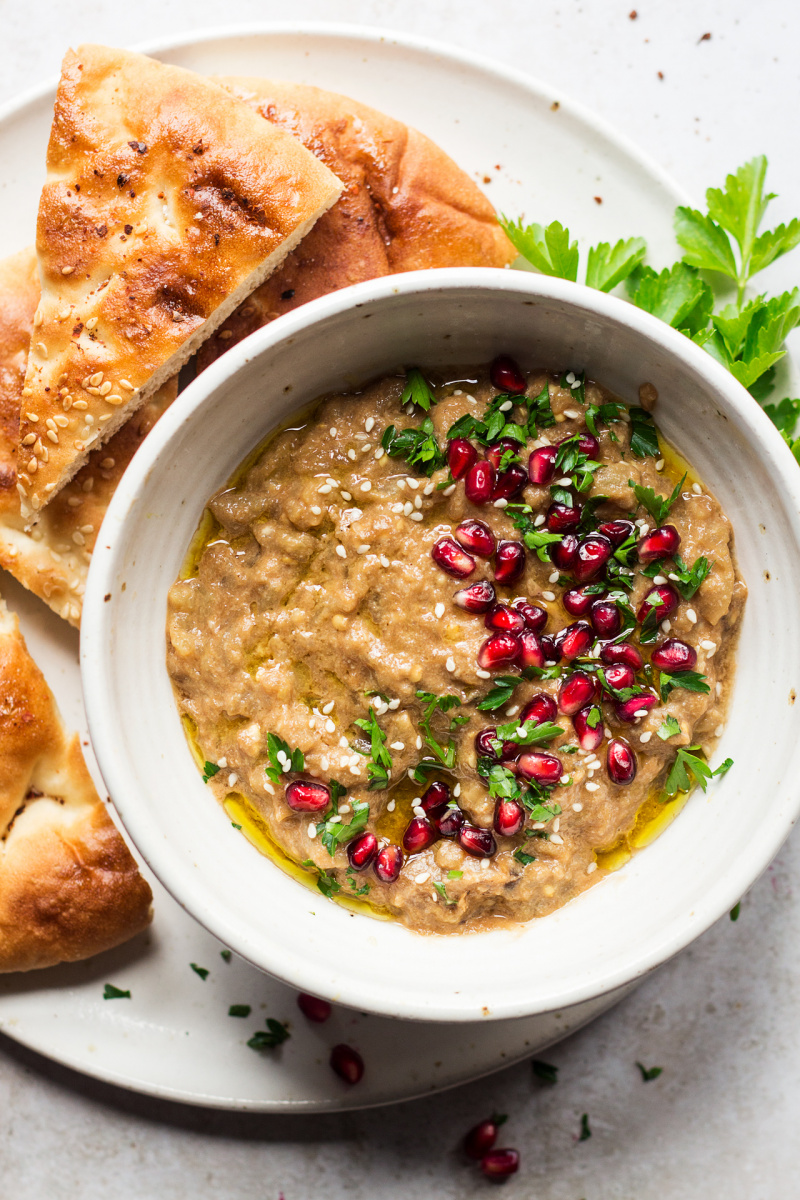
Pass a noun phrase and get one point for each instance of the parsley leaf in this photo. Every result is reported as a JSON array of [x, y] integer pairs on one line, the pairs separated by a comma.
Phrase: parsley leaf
[[687, 580], [418, 447], [649, 1073], [446, 754], [546, 248], [706, 245], [784, 415], [545, 1071], [526, 735], [688, 770], [282, 758], [522, 857], [677, 295], [656, 505], [608, 413], [417, 391], [226, 955], [357, 891], [209, 771], [274, 1035], [501, 692], [533, 537], [442, 891], [607, 266], [114, 993], [585, 1130], [325, 880], [239, 1010], [668, 729], [737, 908], [203, 972], [334, 830], [644, 438], [690, 681], [378, 771], [540, 414]]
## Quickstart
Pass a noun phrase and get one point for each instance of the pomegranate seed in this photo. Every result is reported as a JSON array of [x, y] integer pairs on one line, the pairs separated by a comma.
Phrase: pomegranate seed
[[661, 543], [448, 555], [587, 444], [476, 537], [531, 652], [574, 640], [620, 762], [669, 602], [313, 1008], [577, 601], [347, 1063], [540, 709], [419, 835], [461, 455], [562, 518], [499, 651], [499, 1164], [495, 453], [476, 598], [551, 651], [542, 464], [483, 742], [535, 617], [509, 562], [448, 823], [388, 863], [478, 842], [545, 768], [480, 1139], [509, 817], [506, 375], [303, 796], [621, 676], [510, 482], [509, 754], [606, 618], [617, 532], [510, 620], [589, 735], [436, 796], [479, 482], [362, 851], [622, 652], [593, 554], [576, 692], [638, 706], [674, 655], [565, 553]]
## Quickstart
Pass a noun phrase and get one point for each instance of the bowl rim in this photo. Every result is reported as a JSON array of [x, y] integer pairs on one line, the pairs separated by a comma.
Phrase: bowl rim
[[721, 894]]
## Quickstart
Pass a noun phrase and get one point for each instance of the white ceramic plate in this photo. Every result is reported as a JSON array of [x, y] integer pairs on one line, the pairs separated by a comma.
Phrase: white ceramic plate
[[545, 157]]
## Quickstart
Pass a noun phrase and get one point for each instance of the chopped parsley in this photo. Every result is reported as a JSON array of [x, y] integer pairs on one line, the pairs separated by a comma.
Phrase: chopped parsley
[[226, 955], [209, 771], [521, 857], [500, 692], [668, 729], [114, 993], [644, 439], [334, 831], [656, 505], [351, 879], [203, 972], [688, 770], [442, 892], [417, 390], [737, 908], [239, 1010], [690, 681], [274, 1035], [649, 1073], [282, 758], [505, 785], [380, 765], [688, 579], [586, 1132], [325, 880], [432, 704], [571, 460], [418, 447], [620, 694], [608, 413], [526, 735], [454, 874], [540, 414], [535, 538], [545, 1071]]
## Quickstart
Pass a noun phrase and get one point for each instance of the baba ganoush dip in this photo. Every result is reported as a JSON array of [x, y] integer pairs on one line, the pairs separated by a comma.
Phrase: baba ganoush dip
[[451, 647]]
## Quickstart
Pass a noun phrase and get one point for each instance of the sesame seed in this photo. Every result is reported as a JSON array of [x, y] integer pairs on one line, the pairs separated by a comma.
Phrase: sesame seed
[[539, 521], [32, 417], [577, 808], [316, 510], [660, 465], [548, 595], [91, 324], [450, 664], [659, 579], [367, 446], [67, 270], [564, 780], [232, 779], [351, 454], [553, 577], [29, 439], [329, 726], [397, 508], [384, 561], [457, 790], [369, 424], [570, 412], [645, 737], [363, 548], [570, 377], [557, 838], [418, 502], [438, 610], [418, 743], [340, 550], [397, 746], [506, 405], [711, 653], [408, 508], [401, 483], [718, 732], [592, 787], [394, 704], [707, 644], [416, 516], [378, 454], [691, 615], [592, 867], [355, 768], [501, 503], [324, 489], [565, 481], [698, 491], [666, 625], [641, 712], [390, 807], [718, 687], [423, 877], [343, 743], [448, 491], [512, 711], [483, 674], [331, 482], [312, 831], [426, 491], [268, 787]]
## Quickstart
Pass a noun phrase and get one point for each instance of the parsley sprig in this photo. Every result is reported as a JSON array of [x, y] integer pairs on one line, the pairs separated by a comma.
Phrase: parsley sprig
[[690, 681], [657, 506], [504, 784], [380, 764], [417, 390], [688, 770], [274, 1035], [550, 250], [282, 758], [531, 733], [418, 447], [335, 829], [688, 579], [534, 538], [443, 704], [326, 882]]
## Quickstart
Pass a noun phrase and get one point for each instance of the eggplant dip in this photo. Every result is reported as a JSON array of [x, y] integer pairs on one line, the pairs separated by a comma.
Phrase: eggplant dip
[[443, 646]]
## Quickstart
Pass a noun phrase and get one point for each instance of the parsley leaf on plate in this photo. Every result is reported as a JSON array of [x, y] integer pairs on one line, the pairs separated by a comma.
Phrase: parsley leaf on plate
[[547, 248], [690, 681], [649, 1073], [114, 993], [676, 295], [500, 693], [529, 734], [688, 579], [656, 505], [325, 880], [607, 266], [417, 391], [239, 1010], [267, 1039], [335, 830], [585, 1130], [226, 955], [545, 1071], [540, 414], [521, 857], [380, 764], [203, 972], [209, 771], [688, 770], [445, 754], [737, 908], [668, 728], [282, 758], [644, 438], [442, 891]]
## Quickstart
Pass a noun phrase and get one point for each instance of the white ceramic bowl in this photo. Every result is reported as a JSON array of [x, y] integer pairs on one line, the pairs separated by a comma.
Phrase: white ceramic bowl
[[630, 922]]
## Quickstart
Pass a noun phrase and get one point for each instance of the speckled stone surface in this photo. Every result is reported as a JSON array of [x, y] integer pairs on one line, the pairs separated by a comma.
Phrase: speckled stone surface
[[722, 1019]]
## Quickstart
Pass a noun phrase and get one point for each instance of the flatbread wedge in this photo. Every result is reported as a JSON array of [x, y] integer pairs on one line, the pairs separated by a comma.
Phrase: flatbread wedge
[[406, 205], [69, 886], [167, 201], [52, 559]]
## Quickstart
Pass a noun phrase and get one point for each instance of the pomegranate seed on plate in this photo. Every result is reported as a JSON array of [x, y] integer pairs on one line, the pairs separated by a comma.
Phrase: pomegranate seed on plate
[[617, 532], [542, 464], [313, 1008], [499, 1164], [362, 851], [476, 598], [304, 796], [500, 650], [541, 708], [479, 482], [574, 640], [564, 554], [606, 618], [589, 735], [622, 652], [435, 796], [477, 842], [535, 617], [476, 537], [510, 482], [620, 762], [576, 692], [674, 655], [347, 1063], [577, 601], [669, 602], [509, 817], [448, 555], [638, 706], [419, 834], [483, 742], [461, 455], [531, 652], [509, 562], [593, 553], [388, 863], [620, 676], [510, 620], [449, 821], [661, 543], [545, 768], [552, 653], [562, 518], [506, 375], [480, 1139]]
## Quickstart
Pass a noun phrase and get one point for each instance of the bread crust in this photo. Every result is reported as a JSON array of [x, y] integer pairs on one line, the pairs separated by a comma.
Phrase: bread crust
[[405, 205], [69, 886], [167, 200]]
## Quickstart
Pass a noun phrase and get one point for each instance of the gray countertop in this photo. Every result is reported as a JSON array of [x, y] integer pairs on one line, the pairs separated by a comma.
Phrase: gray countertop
[[721, 1019]]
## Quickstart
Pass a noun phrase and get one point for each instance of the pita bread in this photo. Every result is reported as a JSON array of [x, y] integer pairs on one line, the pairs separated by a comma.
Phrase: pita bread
[[52, 559], [69, 886], [405, 205], [166, 202]]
